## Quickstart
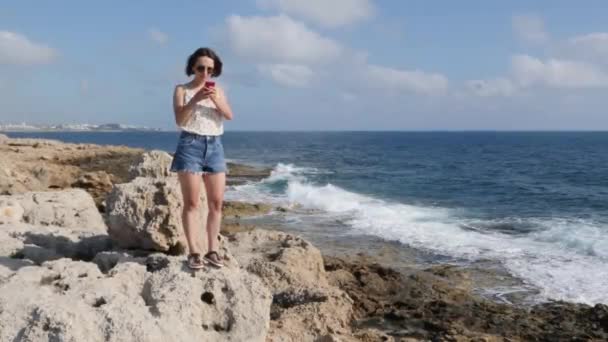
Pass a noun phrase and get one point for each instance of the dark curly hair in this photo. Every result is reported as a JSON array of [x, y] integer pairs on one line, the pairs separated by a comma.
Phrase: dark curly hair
[[204, 52]]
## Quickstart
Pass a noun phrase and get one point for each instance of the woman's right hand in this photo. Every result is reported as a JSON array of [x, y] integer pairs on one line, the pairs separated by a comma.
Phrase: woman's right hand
[[202, 94]]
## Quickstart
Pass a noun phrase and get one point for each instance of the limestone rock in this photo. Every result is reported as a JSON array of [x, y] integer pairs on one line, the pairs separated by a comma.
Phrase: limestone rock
[[42, 243], [146, 214], [72, 208], [67, 300], [36, 143], [233, 209], [98, 184], [223, 302], [42, 165], [9, 244], [107, 260], [305, 307], [8, 266], [14, 180], [10, 210], [286, 260], [242, 174], [153, 164], [305, 314]]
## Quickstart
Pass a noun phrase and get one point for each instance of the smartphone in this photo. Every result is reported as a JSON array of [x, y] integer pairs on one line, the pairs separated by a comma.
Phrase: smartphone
[[209, 84]]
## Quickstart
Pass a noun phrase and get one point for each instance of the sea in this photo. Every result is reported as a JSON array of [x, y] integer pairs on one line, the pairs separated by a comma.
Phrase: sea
[[533, 204]]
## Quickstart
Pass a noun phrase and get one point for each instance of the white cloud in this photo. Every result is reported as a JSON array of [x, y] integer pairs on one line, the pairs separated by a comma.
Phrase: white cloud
[[405, 80], [18, 49], [278, 39], [578, 71], [327, 13], [290, 75], [530, 28], [595, 43], [158, 36], [493, 87], [557, 73]]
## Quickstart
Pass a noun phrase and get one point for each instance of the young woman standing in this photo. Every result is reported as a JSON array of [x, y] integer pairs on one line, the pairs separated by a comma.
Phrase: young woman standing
[[200, 108]]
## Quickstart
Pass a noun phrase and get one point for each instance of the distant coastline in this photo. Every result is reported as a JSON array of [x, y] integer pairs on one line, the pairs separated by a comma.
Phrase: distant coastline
[[109, 127], [82, 130]]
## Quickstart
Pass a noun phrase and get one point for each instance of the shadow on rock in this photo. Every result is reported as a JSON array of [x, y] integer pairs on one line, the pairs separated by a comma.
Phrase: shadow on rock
[[44, 247]]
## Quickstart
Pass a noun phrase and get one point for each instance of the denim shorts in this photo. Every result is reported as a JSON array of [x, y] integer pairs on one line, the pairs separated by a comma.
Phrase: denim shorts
[[199, 154]]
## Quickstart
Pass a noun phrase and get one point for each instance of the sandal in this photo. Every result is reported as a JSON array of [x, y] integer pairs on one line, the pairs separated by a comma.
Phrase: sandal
[[214, 259], [195, 262]]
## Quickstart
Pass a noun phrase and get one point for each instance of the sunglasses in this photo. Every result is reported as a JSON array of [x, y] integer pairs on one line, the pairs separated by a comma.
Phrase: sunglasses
[[202, 68]]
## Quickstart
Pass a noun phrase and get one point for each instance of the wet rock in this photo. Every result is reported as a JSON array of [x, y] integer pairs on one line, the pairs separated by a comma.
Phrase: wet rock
[[241, 174], [437, 304], [232, 209]]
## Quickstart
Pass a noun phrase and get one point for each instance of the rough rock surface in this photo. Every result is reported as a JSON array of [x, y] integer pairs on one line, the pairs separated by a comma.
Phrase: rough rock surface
[[241, 174], [146, 213], [304, 306], [153, 164], [437, 304], [73, 208], [234, 209], [40, 165], [66, 300], [41, 243], [98, 184]]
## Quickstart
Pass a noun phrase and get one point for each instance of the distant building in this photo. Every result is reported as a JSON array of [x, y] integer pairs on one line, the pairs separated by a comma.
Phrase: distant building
[[73, 127], [110, 127]]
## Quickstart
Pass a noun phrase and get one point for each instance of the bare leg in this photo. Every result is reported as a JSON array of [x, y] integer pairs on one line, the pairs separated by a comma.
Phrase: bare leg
[[214, 184], [191, 187]]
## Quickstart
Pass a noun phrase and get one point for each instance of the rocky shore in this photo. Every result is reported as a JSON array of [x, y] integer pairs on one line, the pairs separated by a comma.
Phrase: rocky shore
[[91, 249]]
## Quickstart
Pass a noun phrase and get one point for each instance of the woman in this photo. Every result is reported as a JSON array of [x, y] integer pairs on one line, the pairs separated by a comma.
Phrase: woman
[[200, 108]]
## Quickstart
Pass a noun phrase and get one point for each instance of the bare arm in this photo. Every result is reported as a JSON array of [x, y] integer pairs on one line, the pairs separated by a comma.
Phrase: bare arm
[[221, 102], [182, 110]]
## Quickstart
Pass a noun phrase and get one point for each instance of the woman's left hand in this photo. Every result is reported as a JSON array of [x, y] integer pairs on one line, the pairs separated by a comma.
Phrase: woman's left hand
[[212, 93], [218, 97]]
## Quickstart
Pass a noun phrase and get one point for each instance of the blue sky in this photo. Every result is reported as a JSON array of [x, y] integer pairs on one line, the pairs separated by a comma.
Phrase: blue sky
[[312, 64]]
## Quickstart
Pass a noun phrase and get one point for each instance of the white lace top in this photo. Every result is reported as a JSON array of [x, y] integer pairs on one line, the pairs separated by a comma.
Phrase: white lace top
[[206, 120]]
